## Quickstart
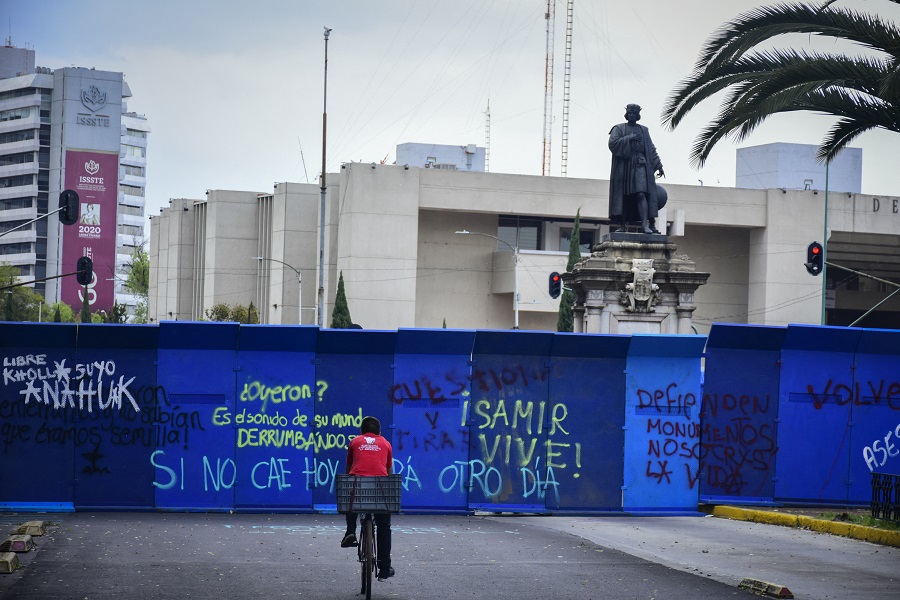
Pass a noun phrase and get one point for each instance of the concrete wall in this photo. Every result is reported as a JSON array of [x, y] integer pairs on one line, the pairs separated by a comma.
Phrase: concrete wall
[[231, 237], [795, 167]]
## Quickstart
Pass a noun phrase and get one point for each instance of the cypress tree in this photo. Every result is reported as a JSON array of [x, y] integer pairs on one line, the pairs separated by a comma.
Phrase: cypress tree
[[85, 309], [566, 320], [340, 315]]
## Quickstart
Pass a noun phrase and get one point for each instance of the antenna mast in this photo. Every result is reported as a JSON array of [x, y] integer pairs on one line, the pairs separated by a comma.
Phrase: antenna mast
[[487, 138], [550, 15], [567, 80]]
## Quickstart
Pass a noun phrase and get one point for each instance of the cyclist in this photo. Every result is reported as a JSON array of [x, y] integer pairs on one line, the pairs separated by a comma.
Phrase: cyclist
[[371, 455]]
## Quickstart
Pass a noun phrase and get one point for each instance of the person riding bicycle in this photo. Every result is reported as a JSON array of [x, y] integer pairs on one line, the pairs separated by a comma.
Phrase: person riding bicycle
[[371, 455]]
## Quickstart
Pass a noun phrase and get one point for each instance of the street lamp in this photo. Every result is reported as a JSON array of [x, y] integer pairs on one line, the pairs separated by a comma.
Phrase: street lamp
[[515, 250], [299, 285]]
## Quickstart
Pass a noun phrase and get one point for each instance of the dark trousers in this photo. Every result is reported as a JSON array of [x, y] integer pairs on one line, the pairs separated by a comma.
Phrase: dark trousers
[[382, 537]]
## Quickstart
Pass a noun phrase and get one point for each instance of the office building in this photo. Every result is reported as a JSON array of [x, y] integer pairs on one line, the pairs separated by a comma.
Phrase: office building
[[70, 128]]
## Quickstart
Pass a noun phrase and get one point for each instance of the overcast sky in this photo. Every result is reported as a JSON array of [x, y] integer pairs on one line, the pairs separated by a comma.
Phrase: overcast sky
[[234, 90]]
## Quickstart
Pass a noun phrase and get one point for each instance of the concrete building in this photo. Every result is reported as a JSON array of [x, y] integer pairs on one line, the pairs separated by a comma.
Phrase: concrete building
[[392, 231], [70, 128]]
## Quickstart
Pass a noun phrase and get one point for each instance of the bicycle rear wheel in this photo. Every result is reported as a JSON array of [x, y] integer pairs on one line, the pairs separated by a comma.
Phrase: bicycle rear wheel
[[367, 546]]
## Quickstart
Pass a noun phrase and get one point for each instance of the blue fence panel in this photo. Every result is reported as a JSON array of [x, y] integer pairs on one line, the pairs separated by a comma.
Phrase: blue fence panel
[[125, 415], [875, 438], [662, 420], [815, 412], [353, 380], [273, 418], [585, 457], [38, 427], [431, 439], [740, 414], [194, 465], [511, 421]]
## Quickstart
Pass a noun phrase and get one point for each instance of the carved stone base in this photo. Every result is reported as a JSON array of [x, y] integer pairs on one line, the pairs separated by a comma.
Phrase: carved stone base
[[634, 283]]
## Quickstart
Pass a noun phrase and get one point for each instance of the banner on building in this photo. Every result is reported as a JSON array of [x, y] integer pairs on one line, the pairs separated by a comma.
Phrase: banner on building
[[95, 176]]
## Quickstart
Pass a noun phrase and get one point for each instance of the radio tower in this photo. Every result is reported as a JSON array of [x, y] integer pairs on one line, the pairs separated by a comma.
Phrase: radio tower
[[567, 80], [550, 15]]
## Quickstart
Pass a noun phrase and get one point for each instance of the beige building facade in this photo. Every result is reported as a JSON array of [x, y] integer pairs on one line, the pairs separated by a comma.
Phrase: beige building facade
[[392, 232]]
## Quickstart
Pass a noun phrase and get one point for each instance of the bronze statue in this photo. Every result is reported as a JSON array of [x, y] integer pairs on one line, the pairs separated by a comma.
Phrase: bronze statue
[[633, 193]]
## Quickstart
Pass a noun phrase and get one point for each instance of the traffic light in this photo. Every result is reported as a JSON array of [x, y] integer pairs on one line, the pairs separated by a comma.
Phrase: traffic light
[[68, 202], [815, 258], [555, 285], [85, 270]]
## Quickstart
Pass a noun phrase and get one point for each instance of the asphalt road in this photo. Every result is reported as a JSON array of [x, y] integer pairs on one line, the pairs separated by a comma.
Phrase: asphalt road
[[189, 555]]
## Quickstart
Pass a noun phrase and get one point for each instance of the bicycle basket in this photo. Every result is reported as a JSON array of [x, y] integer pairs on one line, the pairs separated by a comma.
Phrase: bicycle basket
[[356, 493]]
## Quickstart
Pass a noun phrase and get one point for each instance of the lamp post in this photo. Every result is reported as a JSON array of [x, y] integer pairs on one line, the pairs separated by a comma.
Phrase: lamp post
[[515, 250], [299, 285], [320, 304]]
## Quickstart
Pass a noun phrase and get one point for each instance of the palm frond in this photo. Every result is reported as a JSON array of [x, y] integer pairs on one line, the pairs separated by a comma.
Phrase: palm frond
[[774, 70], [754, 27]]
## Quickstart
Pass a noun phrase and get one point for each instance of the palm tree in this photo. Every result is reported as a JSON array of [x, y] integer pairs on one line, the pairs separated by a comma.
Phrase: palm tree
[[862, 91]]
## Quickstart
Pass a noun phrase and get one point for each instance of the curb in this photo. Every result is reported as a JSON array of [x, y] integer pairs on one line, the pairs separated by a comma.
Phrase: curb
[[858, 532]]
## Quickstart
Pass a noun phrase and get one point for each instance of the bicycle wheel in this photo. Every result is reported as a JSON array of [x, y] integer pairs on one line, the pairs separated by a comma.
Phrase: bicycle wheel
[[367, 543]]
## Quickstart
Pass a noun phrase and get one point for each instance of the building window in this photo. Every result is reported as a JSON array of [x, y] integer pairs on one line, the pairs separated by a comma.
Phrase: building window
[[16, 136], [10, 225], [134, 211], [134, 150], [18, 158], [16, 181], [12, 203], [136, 171], [17, 113], [132, 190], [523, 233], [585, 242], [132, 230], [20, 248], [18, 93], [135, 133]]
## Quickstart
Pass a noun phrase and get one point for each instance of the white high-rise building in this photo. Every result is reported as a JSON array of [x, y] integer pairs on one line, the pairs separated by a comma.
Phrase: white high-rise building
[[70, 128]]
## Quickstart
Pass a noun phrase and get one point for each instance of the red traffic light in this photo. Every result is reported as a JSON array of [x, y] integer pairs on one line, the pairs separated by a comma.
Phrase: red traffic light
[[555, 288], [815, 258]]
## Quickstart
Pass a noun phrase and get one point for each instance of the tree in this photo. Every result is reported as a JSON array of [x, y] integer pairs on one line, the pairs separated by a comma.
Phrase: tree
[[566, 319], [138, 282], [218, 312], [117, 314], [85, 316], [252, 314], [862, 91], [20, 303], [64, 311], [340, 315]]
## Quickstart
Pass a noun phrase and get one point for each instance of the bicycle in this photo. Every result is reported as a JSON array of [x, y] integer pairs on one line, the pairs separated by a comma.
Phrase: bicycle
[[367, 496]]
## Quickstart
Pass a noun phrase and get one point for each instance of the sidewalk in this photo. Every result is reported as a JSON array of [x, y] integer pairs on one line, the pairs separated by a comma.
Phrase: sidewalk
[[770, 517]]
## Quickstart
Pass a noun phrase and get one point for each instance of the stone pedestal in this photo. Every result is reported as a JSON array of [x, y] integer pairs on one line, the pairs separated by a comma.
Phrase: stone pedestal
[[634, 283]]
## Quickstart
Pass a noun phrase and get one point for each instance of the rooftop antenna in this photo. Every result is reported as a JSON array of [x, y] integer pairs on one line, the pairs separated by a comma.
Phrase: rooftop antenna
[[567, 81], [550, 15], [487, 138], [303, 160]]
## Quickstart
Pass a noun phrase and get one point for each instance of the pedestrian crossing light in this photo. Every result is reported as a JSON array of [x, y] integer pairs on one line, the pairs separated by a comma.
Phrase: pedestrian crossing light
[[555, 285], [815, 258]]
